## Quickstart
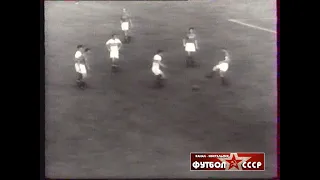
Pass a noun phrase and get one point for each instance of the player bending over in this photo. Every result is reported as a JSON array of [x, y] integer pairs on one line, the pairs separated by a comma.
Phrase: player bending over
[[114, 45], [191, 45], [222, 67], [156, 68], [80, 66], [126, 24]]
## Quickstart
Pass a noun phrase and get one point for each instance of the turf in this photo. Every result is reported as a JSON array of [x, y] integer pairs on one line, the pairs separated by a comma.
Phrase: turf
[[121, 127]]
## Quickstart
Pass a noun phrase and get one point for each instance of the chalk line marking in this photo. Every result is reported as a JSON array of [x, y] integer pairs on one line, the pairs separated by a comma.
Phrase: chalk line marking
[[252, 26], [248, 19]]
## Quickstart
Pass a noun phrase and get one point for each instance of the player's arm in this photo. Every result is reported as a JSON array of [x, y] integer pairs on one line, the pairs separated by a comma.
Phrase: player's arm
[[119, 44], [86, 61], [108, 45], [129, 19], [162, 65], [121, 19], [87, 65], [215, 67], [196, 43]]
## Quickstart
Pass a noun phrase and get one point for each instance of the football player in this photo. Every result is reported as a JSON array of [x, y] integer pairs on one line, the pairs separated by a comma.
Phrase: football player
[[190, 44], [126, 24], [156, 64], [80, 66], [114, 45]]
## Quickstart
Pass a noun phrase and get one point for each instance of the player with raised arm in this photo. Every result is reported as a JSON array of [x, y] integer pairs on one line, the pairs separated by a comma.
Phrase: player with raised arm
[[114, 45], [156, 64], [190, 44], [126, 24], [80, 66]]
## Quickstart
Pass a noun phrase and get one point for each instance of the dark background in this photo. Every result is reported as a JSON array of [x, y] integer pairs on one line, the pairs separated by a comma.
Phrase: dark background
[[120, 127]]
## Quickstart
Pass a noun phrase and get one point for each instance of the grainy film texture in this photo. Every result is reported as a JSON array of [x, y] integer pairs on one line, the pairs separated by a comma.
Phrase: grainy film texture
[[125, 115]]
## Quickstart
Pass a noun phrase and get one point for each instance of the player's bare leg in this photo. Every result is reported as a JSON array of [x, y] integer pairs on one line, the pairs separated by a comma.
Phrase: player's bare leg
[[221, 73], [114, 65], [126, 36], [79, 77], [192, 61], [223, 77], [188, 59], [159, 81], [80, 82], [212, 73]]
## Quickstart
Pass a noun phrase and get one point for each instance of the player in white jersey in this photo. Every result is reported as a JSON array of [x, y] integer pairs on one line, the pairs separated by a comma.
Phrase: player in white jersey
[[126, 24], [114, 45], [80, 66], [156, 64], [190, 44], [222, 67]]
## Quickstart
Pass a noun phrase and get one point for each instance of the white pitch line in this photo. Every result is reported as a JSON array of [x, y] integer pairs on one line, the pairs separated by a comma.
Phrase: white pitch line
[[256, 19], [252, 26]]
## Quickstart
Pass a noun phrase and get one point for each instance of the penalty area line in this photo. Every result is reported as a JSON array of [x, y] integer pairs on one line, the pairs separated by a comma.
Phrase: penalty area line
[[252, 26]]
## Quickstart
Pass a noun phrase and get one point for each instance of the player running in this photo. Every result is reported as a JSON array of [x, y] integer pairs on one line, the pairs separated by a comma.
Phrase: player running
[[80, 66], [191, 45], [114, 45], [222, 67], [156, 68], [126, 24]]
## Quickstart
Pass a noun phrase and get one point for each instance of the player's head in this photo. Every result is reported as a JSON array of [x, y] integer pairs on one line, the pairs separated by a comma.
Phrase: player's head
[[191, 29], [79, 47], [225, 52], [86, 49], [114, 36], [159, 52], [124, 10]]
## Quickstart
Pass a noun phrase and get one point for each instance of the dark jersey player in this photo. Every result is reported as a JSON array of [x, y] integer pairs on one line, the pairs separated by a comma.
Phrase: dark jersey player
[[126, 24]]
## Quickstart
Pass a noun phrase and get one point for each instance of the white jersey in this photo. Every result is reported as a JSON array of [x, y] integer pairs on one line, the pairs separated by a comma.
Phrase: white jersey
[[114, 44], [156, 59], [78, 55], [223, 66], [79, 58]]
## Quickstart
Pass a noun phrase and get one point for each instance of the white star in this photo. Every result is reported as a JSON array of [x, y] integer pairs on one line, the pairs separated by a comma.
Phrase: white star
[[243, 159]]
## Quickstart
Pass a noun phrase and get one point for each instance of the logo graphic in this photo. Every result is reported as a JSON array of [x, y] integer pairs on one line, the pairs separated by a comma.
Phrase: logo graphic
[[227, 161]]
